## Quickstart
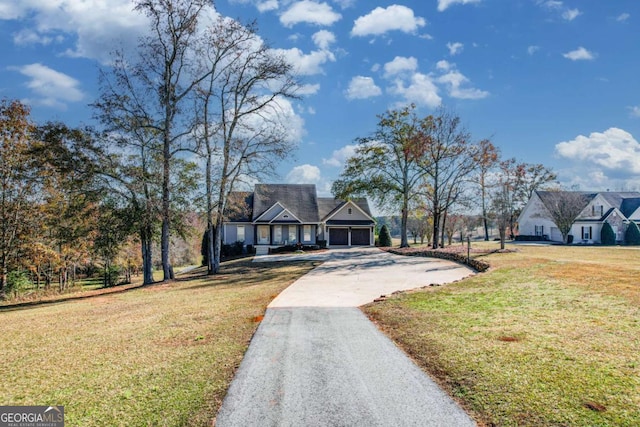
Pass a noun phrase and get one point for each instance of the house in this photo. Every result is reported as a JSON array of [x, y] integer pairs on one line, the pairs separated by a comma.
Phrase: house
[[286, 214], [616, 208]]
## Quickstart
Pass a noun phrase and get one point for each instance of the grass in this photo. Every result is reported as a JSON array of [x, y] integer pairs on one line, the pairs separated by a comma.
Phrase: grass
[[549, 336], [161, 355]]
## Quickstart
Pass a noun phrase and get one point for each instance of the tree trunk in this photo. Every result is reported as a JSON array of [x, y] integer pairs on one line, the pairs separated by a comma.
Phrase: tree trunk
[[403, 224], [147, 263]]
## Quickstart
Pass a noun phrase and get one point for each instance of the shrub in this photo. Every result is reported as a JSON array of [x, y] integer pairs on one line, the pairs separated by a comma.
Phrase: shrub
[[607, 236], [18, 281], [111, 274], [385, 237], [632, 235]]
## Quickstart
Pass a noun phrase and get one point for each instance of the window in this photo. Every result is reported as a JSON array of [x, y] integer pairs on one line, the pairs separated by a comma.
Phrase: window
[[307, 233], [240, 235], [293, 235], [350, 211], [539, 230], [277, 234], [586, 233]]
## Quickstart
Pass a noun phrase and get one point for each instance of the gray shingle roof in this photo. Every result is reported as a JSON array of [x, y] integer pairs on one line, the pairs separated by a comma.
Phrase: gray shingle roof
[[328, 205], [299, 199], [626, 201]]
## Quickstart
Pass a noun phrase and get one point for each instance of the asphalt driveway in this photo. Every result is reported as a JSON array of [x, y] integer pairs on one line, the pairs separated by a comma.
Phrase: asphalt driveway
[[316, 360]]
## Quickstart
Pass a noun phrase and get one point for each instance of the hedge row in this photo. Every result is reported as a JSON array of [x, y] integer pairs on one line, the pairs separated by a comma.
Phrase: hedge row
[[477, 265]]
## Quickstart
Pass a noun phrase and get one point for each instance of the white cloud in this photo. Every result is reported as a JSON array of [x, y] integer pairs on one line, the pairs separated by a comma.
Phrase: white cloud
[[52, 88], [399, 65], [614, 149], [420, 89], [571, 14], [455, 48], [635, 111], [344, 4], [306, 64], [339, 157], [27, 37], [304, 174], [267, 5], [308, 89], [580, 54], [551, 4], [443, 65], [444, 4], [361, 87], [532, 49], [381, 20], [309, 12], [623, 17], [454, 79], [324, 39]]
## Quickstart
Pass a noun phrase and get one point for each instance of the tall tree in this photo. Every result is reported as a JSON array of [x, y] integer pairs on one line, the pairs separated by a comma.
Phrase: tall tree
[[520, 180], [243, 117], [487, 158], [449, 160], [387, 166], [155, 91], [66, 176], [17, 186]]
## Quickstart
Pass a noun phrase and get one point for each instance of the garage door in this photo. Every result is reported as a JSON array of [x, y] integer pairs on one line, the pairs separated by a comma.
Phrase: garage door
[[338, 236], [360, 237]]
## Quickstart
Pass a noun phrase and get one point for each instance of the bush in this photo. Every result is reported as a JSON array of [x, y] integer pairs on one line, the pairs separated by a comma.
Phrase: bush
[[322, 243], [607, 236], [18, 281], [385, 237], [632, 235], [111, 275]]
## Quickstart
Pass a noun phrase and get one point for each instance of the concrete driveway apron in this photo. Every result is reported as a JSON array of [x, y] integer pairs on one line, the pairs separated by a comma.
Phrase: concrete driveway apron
[[316, 360]]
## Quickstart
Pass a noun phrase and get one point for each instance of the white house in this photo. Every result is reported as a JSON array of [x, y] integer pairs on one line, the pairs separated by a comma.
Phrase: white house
[[616, 208]]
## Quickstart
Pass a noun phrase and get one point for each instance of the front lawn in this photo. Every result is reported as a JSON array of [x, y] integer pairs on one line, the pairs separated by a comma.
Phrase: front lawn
[[161, 355], [549, 336]]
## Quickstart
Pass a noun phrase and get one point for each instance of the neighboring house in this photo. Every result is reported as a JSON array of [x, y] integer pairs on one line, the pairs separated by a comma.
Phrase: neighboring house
[[616, 208], [287, 214]]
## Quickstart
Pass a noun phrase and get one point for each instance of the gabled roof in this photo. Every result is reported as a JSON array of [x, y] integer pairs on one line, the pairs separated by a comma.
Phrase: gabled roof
[[630, 205], [548, 197], [327, 206], [627, 202], [299, 199]]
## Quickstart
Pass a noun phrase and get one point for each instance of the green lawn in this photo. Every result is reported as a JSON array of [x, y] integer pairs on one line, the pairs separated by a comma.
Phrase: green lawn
[[549, 336], [161, 355]]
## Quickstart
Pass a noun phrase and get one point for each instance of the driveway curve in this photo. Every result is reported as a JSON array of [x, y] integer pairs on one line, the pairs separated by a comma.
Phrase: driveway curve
[[316, 360]]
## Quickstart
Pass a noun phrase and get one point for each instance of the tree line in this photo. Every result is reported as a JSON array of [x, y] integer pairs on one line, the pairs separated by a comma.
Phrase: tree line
[[202, 97], [430, 170]]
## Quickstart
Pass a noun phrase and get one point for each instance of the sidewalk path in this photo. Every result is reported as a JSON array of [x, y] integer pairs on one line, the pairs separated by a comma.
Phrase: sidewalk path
[[316, 360]]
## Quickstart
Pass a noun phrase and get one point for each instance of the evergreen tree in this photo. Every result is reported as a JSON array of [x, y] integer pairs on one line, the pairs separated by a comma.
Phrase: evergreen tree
[[385, 236], [632, 235], [607, 236]]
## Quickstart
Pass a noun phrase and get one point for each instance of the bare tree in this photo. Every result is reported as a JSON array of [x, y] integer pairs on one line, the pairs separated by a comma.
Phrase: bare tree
[[449, 161], [153, 91], [243, 115], [487, 158], [563, 207], [502, 208]]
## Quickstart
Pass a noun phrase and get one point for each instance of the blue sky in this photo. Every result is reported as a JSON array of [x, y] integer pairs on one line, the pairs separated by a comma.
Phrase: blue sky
[[552, 82]]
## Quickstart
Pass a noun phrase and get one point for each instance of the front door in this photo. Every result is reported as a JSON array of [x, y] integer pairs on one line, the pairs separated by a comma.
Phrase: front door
[[263, 234]]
